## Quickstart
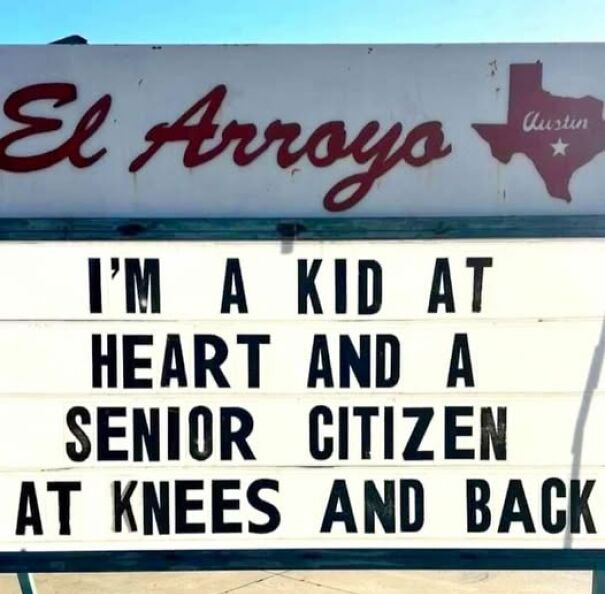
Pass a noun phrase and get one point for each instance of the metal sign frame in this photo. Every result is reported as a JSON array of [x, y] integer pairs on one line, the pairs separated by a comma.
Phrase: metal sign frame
[[230, 229]]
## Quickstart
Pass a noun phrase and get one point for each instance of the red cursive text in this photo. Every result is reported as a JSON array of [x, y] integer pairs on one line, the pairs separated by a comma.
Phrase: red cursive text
[[324, 146], [61, 93]]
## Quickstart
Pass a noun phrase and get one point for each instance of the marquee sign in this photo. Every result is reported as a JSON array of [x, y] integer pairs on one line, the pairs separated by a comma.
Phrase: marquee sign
[[387, 379], [394, 395], [301, 131]]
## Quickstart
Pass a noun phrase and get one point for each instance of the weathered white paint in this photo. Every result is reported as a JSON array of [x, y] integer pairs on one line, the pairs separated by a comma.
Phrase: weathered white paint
[[34, 430], [457, 85], [529, 279], [55, 357], [536, 348], [302, 497]]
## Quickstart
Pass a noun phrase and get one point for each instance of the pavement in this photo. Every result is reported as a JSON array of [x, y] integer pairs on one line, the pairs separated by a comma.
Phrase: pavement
[[310, 582]]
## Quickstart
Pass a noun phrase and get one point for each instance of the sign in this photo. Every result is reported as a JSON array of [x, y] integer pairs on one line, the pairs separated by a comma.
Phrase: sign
[[287, 131], [391, 395]]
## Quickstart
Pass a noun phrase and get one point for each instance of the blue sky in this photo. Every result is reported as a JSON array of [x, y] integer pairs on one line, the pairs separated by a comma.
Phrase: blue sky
[[302, 21]]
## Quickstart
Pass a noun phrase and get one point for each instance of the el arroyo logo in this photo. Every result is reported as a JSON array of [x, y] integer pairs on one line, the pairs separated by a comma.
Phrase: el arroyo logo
[[558, 134]]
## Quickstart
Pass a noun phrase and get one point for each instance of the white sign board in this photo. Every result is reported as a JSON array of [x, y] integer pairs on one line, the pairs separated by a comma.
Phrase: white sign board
[[235, 395], [302, 130]]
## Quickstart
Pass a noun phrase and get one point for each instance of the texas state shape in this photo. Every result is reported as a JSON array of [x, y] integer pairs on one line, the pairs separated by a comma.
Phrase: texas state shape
[[558, 134]]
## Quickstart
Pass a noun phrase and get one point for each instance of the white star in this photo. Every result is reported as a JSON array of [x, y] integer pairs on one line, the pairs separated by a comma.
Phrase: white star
[[559, 148]]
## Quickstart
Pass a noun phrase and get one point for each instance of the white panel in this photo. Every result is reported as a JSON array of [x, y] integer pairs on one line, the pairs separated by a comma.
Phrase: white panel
[[523, 357], [453, 87], [527, 406], [301, 496], [541, 430], [537, 279]]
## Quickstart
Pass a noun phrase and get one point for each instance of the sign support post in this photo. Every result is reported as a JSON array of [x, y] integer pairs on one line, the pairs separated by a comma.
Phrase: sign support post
[[28, 586]]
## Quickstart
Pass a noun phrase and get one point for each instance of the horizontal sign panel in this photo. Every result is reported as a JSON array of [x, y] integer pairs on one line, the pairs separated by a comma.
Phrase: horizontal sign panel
[[362, 431], [278, 358], [282, 395], [237, 131], [379, 280], [311, 508]]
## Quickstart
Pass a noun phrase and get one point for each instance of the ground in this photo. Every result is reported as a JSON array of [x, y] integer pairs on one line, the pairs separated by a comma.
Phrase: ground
[[311, 582]]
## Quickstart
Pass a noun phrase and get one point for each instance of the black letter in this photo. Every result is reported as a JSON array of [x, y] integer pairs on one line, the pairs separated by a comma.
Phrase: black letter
[[121, 506], [203, 364], [340, 286], [237, 437], [441, 275], [99, 361], [476, 503], [194, 433], [155, 508], [173, 423], [478, 264], [182, 505], [28, 502], [338, 495], [130, 363], [220, 504], [367, 307], [147, 433], [489, 432], [173, 365], [453, 431], [263, 506], [365, 413], [515, 495], [74, 413], [559, 524], [424, 416], [233, 288], [105, 432], [382, 340], [376, 506], [358, 362], [306, 286], [579, 506], [146, 282], [64, 489], [94, 285], [325, 451], [460, 363], [406, 486], [253, 342], [320, 367]]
